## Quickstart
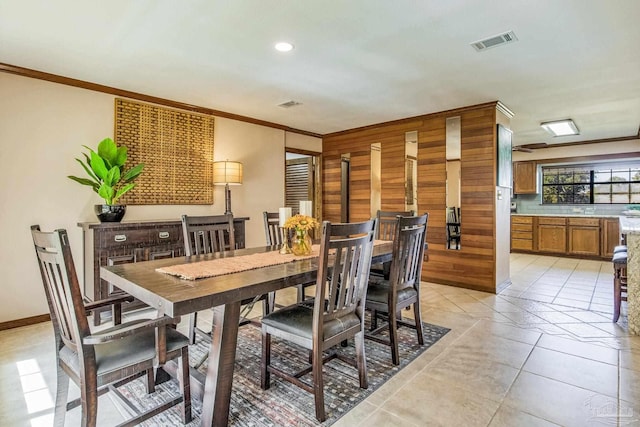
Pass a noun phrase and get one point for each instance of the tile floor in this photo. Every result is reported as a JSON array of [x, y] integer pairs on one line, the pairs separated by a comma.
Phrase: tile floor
[[544, 352]]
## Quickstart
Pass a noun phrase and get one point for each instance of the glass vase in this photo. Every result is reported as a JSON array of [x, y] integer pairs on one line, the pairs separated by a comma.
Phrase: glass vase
[[301, 243]]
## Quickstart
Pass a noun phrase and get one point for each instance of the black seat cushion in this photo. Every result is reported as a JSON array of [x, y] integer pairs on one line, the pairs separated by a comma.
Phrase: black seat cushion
[[130, 350], [378, 292], [298, 320]]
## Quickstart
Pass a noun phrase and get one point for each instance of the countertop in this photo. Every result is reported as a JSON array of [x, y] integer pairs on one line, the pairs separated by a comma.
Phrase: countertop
[[630, 225], [570, 215]]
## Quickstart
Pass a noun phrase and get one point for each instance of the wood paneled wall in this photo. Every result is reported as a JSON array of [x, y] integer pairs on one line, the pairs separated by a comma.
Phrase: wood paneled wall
[[474, 265]]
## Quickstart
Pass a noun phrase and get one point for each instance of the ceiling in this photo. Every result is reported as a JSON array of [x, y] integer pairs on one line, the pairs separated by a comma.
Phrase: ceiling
[[355, 63]]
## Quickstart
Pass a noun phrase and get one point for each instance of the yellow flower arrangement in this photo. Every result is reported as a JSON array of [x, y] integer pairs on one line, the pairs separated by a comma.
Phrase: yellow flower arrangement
[[301, 222], [301, 242]]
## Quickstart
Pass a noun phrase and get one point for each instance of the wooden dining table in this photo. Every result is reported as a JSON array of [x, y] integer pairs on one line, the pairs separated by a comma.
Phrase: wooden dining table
[[173, 296]]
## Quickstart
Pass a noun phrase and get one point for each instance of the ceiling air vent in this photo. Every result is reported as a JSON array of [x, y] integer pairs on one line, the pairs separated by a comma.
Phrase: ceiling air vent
[[289, 104], [494, 41]]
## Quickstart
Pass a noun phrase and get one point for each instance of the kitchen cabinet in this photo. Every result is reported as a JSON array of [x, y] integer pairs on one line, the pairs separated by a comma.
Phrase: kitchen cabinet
[[584, 236], [552, 235], [522, 233], [112, 243], [525, 178], [610, 236]]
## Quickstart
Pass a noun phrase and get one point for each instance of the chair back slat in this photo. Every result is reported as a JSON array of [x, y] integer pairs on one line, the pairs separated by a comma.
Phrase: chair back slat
[[272, 231], [62, 288], [408, 251], [345, 260], [208, 234], [386, 225]]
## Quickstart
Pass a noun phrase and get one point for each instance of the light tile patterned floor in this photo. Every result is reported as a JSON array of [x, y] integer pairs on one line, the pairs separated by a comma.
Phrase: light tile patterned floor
[[544, 352]]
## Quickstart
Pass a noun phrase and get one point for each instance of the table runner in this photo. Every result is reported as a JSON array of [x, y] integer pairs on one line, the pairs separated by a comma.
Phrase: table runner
[[236, 264]]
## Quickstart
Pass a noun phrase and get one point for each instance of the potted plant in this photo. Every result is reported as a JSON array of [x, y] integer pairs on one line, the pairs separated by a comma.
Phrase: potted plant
[[108, 177]]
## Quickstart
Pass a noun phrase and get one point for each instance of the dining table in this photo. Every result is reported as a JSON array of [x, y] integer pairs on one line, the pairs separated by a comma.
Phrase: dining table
[[175, 296]]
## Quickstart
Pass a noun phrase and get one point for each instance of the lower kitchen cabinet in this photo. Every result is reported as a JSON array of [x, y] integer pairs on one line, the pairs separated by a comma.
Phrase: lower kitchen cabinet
[[584, 236], [552, 235], [588, 237]]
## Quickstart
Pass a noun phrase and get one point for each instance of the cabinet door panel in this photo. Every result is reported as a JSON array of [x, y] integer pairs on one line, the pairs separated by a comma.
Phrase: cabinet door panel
[[552, 238], [610, 236], [584, 240], [525, 178]]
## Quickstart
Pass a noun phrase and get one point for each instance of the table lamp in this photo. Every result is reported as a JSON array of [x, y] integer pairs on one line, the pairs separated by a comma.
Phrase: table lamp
[[227, 173]]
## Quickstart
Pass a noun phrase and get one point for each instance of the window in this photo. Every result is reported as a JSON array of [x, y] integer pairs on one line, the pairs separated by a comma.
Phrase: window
[[590, 184]]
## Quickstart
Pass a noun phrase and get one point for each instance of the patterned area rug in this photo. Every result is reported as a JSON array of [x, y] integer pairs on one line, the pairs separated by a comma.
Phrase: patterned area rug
[[285, 404]]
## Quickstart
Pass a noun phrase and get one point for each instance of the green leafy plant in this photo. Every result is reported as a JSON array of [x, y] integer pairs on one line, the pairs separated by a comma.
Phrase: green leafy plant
[[106, 171]]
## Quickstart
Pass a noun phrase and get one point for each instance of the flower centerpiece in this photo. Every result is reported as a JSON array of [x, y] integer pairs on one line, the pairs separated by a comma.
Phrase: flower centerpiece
[[301, 241]]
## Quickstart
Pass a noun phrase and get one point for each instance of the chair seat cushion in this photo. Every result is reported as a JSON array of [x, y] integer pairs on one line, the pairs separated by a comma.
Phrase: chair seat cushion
[[620, 258], [378, 292], [130, 350], [298, 320]]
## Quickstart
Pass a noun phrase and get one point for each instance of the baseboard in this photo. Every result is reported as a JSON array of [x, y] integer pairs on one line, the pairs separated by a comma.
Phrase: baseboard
[[24, 322]]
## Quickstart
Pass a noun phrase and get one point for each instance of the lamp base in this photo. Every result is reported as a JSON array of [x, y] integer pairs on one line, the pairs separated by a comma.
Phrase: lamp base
[[227, 200]]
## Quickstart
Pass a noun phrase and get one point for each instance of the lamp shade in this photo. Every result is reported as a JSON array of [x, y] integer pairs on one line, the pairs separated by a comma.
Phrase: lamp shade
[[226, 172]]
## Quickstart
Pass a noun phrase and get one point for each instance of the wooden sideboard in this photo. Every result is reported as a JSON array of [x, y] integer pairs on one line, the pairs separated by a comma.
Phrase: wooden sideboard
[[111, 243]]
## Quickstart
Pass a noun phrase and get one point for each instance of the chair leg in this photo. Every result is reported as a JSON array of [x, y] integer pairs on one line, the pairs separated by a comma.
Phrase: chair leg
[[318, 384], [185, 384], [300, 293], [393, 337], [617, 297], [265, 375], [418, 320], [193, 318], [361, 360], [62, 393], [89, 399], [374, 320], [151, 382]]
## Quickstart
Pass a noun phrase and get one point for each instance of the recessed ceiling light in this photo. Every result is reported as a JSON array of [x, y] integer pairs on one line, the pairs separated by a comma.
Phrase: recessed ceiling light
[[561, 127], [284, 46]]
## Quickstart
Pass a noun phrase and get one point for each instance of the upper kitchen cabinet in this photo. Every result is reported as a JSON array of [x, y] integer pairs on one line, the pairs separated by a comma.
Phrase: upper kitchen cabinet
[[525, 178]]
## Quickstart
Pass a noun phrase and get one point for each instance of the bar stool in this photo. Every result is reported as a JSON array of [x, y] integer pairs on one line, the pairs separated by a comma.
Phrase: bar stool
[[619, 282]]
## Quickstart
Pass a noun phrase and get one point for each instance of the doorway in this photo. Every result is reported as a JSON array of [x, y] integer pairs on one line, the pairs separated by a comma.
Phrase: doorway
[[302, 180]]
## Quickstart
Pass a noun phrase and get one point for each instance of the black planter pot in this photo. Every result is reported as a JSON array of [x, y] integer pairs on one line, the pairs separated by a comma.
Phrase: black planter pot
[[110, 213]]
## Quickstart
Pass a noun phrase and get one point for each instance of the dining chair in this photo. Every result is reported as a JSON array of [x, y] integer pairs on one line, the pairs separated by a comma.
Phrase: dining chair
[[337, 312], [387, 297], [453, 227], [386, 231], [209, 234], [273, 237], [273, 234], [102, 361]]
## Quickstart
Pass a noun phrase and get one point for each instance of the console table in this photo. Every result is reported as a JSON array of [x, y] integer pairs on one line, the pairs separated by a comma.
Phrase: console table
[[112, 243]]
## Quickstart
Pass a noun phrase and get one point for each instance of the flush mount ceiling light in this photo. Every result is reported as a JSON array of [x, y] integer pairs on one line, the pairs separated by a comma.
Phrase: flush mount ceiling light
[[561, 127], [284, 47]]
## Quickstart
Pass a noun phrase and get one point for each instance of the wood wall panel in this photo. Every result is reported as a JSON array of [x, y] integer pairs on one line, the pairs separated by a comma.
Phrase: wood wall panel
[[392, 174], [331, 188], [360, 186], [474, 265]]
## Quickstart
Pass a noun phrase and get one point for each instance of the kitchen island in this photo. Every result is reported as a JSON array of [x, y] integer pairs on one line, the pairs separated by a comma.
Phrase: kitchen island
[[630, 226]]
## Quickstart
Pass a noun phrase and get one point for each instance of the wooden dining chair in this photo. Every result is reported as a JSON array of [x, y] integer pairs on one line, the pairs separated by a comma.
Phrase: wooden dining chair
[[386, 230], [388, 297], [273, 236], [453, 227], [337, 313], [272, 232], [102, 361], [209, 234]]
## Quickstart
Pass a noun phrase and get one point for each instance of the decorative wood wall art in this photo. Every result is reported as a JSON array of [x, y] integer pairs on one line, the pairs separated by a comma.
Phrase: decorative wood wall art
[[176, 148]]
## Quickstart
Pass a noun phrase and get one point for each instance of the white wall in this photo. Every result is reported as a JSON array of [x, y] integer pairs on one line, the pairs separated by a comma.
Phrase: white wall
[[42, 128]]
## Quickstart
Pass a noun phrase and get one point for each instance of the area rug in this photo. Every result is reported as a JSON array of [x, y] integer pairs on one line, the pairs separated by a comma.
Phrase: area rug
[[285, 404]]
